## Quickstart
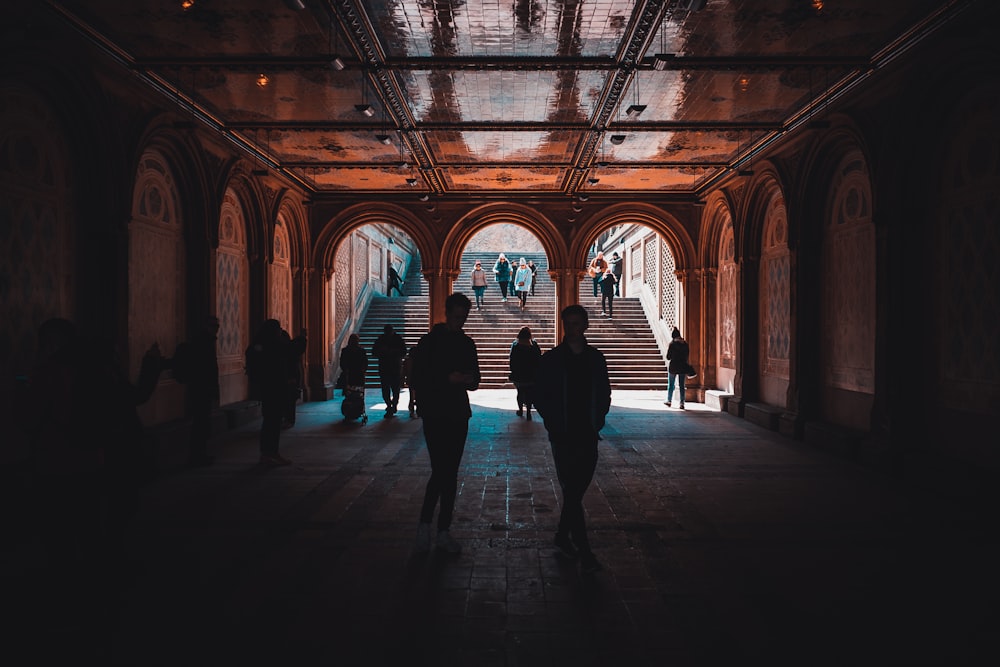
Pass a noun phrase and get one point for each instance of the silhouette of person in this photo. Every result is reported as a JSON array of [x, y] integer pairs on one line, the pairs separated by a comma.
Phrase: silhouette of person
[[395, 283], [608, 284], [89, 460], [573, 397], [390, 348], [479, 284], [195, 365], [502, 272], [267, 368], [678, 352], [534, 275], [445, 369], [354, 362], [524, 358]]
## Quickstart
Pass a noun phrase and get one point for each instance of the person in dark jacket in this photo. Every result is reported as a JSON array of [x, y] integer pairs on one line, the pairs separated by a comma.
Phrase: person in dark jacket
[[573, 396], [195, 365], [503, 272], [608, 284], [354, 362], [395, 282], [390, 348], [525, 356], [677, 366], [267, 368], [445, 369]]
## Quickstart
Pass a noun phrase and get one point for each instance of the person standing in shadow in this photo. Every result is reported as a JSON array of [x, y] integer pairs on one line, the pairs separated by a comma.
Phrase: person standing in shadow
[[354, 362], [678, 352], [573, 397], [195, 365], [395, 283], [445, 369], [390, 348], [90, 458], [267, 369], [525, 356], [534, 275]]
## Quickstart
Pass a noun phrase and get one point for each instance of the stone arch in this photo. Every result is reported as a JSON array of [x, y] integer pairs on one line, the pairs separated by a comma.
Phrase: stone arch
[[479, 218], [766, 276], [660, 221], [721, 307], [291, 211], [340, 227]]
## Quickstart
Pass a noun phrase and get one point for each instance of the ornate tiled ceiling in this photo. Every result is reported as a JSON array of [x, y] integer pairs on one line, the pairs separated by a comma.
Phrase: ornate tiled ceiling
[[505, 96]]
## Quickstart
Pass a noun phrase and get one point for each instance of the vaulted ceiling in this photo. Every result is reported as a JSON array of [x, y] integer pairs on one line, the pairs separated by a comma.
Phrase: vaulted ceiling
[[508, 97]]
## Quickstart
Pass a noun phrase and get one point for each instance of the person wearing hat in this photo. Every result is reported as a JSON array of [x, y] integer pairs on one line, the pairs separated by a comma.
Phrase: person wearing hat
[[479, 284]]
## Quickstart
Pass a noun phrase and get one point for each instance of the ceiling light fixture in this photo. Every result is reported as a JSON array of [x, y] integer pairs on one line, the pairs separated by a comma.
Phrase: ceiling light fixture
[[335, 62], [384, 139], [425, 197], [593, 181], [364, 107], [583, 197], [617, 139], [412, 182], [262, 80], [661, 60], [634, 110], [187, 4]]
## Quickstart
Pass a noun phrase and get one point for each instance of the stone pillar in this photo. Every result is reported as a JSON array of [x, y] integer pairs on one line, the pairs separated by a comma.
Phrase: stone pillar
[[567, 286], [318, 361], [709, 327]]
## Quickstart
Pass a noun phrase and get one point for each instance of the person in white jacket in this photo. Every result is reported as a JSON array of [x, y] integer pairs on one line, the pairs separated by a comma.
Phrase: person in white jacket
[[522, 282]]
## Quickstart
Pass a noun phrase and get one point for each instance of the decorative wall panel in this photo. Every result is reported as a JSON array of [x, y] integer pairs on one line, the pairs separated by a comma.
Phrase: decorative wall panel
[[36, 225], [847, 321], [232, 297], [727, 297], [668, 285], [775, 292], [280, 281], [968, 237], [156, 264]]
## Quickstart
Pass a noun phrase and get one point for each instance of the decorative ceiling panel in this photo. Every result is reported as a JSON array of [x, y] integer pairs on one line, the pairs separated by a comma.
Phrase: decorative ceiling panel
[[511, 96]]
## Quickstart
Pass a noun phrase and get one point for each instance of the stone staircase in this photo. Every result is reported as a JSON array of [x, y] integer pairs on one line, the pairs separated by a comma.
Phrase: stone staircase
[[634, 359]]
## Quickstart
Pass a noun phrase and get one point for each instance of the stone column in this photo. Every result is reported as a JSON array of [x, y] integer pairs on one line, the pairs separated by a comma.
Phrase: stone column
[[318, 361]]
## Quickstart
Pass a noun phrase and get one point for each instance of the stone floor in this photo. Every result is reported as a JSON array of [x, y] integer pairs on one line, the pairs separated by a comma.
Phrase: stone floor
[[723, 544]]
